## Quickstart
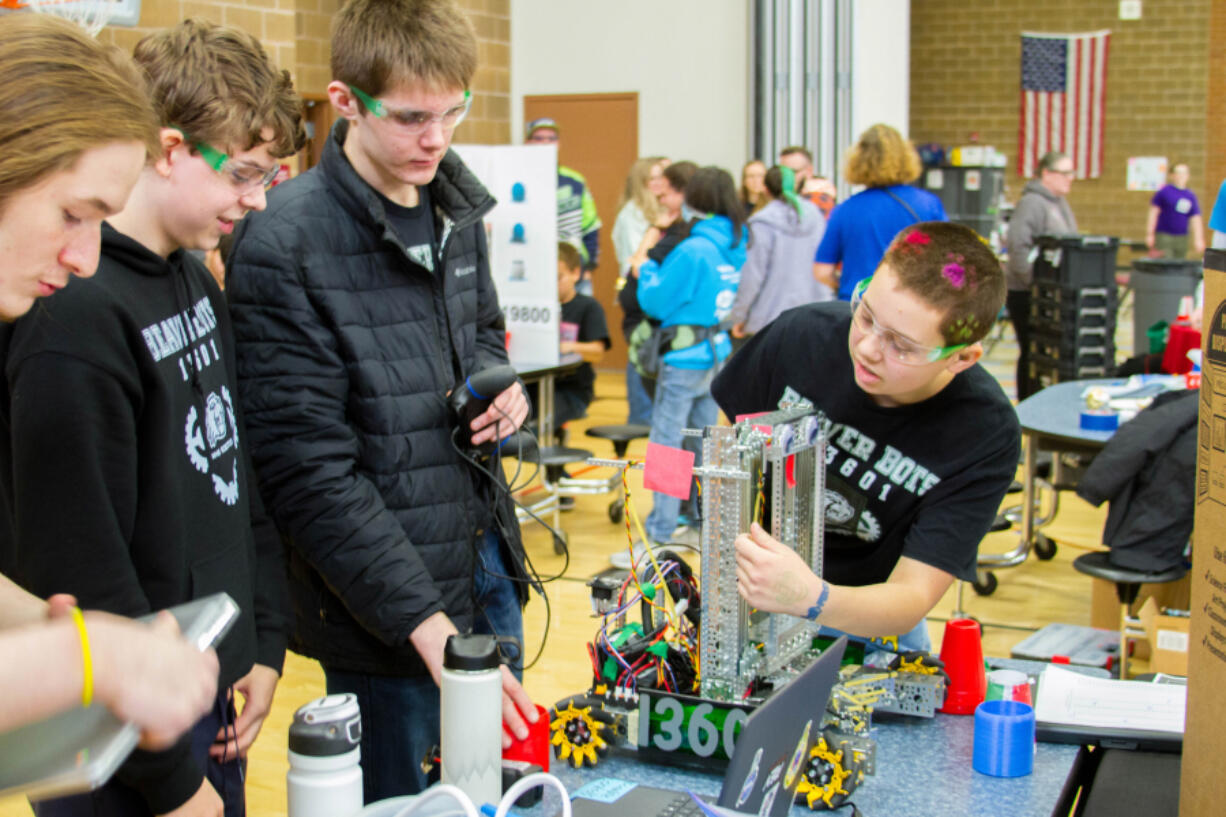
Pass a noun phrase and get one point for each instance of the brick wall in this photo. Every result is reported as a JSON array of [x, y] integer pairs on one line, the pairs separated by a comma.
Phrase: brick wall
[[270, 20], [1215, 113], [297, 32], [966, 76]]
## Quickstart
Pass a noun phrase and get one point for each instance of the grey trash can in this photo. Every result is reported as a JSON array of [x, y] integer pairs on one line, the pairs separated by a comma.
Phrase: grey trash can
[[1158, 284]]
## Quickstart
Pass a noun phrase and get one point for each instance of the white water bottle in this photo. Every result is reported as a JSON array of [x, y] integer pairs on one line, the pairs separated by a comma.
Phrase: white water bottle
[[325, 778], [471, 717]]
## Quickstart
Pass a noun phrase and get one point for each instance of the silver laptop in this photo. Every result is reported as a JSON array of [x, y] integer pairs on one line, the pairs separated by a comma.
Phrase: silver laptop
[[80, 749]]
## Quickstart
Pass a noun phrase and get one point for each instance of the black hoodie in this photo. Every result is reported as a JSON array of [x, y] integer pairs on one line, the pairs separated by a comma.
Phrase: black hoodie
[[130, 485]]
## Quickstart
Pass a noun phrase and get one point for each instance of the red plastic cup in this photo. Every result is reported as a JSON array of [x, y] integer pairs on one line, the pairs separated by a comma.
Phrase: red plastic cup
[[535, 747], [962, 654]]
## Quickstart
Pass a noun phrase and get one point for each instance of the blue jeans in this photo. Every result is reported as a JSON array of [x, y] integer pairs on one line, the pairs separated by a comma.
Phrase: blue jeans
[[637, 397], [916, 639], [400, 715], [683, 400], [117, 799]]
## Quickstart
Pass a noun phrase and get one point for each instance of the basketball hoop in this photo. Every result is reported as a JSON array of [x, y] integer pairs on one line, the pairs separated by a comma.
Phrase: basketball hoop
[[92, 15]]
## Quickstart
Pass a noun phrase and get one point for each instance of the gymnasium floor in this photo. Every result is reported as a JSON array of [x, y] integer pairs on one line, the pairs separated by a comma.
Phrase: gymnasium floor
[[1028, 597]]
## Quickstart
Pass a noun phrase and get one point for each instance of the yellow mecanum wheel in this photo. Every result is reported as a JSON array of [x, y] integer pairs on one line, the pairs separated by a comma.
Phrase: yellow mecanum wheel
[[577, 734], [825, 777]]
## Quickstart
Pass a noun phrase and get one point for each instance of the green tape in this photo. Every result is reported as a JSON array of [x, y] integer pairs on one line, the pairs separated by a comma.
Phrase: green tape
[[610, 669], [659, 649], [649, 591]]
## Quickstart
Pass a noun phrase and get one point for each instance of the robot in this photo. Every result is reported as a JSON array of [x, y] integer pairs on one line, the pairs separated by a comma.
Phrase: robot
[[676, 685]]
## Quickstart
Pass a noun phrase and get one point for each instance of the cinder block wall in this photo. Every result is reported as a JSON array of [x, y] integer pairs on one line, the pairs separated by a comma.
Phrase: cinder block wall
[[296, 34], [1161, 100]]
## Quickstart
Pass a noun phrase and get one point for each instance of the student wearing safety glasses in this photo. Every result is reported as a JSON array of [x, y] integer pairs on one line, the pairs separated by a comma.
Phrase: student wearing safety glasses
[[135, 488], [923, 443], [361, 296]]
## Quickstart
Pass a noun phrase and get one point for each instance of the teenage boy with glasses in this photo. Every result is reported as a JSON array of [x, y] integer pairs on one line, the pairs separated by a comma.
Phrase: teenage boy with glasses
[[922, 442], [134, 489], [360, 298]]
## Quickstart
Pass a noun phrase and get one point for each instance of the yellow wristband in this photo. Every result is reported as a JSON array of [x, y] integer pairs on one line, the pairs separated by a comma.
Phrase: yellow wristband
[[87, 660]]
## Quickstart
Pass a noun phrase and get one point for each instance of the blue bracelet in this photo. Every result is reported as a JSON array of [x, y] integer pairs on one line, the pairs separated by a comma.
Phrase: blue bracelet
[[816, 610]]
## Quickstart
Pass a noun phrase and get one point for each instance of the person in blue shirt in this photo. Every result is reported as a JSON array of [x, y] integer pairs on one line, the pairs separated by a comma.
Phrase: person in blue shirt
[[861, 228], [693, 290]]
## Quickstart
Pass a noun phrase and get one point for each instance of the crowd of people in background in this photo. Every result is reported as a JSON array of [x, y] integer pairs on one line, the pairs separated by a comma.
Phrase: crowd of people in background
[[365, 557]]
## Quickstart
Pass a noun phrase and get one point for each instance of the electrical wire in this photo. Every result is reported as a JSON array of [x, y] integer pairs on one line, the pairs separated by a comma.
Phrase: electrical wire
[[535, 579]]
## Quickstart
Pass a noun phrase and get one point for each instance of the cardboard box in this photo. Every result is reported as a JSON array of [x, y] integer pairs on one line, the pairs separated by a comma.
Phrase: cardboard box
[[1168, 639], [1203, 786], [1105, 603]]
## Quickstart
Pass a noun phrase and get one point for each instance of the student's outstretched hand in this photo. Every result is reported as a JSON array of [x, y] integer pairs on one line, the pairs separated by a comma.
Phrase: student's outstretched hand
[[60, 604], [257, 688], [771, 576], [149, 675], [517, 708], [506, 414]]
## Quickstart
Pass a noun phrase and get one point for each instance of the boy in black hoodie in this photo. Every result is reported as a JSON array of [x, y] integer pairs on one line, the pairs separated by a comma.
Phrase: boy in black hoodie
[[134, 490]]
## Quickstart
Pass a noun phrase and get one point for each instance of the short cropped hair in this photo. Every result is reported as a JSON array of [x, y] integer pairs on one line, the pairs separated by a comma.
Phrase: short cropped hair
[[881, 158], [380, 44], [954, 271], [678, 175], [1048, 161], [570, 257], [217, 85], [801, 149]]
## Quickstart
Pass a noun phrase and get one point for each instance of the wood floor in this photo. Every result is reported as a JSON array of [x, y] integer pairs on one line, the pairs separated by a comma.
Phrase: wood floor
[[1028, 597]]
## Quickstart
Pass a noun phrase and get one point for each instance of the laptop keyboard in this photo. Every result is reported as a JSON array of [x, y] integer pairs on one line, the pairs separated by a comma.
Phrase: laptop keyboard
[[681, 806]]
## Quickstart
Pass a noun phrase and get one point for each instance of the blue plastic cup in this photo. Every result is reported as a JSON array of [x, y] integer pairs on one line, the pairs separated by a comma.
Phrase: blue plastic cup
[[1004, 739]]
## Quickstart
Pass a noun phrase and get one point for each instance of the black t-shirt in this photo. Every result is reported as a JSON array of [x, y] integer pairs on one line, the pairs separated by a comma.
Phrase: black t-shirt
[[923, 480], [414, 226], [586, 316]]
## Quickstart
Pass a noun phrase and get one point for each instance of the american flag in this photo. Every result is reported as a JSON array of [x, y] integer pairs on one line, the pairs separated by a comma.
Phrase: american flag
[[1063, 88]]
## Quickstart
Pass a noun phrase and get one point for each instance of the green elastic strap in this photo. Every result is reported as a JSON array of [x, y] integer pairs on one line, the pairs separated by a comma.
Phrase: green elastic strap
[[788, 177], [373, 105], [215, 158]]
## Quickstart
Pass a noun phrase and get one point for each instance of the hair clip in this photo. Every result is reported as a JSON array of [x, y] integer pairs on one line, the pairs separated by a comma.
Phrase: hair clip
[[917, 237]]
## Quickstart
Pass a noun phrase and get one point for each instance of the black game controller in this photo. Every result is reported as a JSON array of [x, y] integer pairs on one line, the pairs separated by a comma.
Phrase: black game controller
[[473, 396]]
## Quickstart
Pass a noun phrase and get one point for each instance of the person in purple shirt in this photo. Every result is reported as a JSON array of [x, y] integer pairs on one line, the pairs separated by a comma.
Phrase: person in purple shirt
[[862, 227], [1174, 218]]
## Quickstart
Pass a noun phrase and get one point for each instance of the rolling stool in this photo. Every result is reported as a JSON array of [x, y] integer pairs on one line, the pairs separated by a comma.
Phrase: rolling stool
[[1127, 587], [554, 459], [621, 436]]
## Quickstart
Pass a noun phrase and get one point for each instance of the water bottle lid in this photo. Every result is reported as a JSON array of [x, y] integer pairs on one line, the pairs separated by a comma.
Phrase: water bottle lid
[[326, 726], [471, 653]]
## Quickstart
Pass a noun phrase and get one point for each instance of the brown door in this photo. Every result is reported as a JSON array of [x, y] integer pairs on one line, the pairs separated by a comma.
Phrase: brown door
[[600, 139], [319, 118]]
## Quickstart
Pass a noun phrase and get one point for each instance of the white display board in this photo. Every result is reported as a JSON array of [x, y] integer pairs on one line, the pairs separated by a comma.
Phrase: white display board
[[523, 241], [1146, 172]]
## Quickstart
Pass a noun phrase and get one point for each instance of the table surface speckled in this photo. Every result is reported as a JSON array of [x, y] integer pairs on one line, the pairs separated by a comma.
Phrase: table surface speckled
[[923, 770]]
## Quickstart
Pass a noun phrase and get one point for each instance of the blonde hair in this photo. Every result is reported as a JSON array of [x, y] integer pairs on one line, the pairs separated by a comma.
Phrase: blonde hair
[[381, 43], [636, 188], [882, 157], [63, 93], [217, 85]]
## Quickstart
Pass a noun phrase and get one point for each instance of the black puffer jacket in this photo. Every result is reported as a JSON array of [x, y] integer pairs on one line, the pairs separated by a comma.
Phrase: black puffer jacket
[[346, 350], [1147, 472]]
